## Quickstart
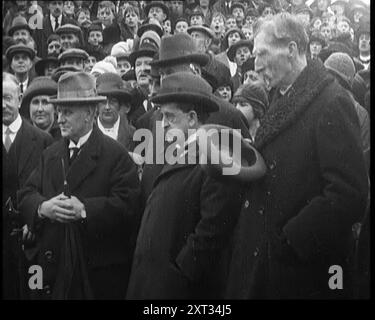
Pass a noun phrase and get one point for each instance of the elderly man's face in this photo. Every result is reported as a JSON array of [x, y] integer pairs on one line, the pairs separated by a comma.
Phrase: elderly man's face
[[21, 36], [157, 13], [143, 71], [271, 62], [54, 48], [21, 63], [11, 102], [95, 38], [69, 40], [181, 27], [73, 121], [42, 113], [109, 111], [201, 40], [233, 38], [123, 66], [242, 54]]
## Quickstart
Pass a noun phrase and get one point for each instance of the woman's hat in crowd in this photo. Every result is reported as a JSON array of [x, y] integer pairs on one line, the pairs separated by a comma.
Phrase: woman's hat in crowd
[[203, 28], [239, 44], [41, 64], [179, 48], [217, 74], [39, 86], [19, 48], [150, 24], [158, 4], [342, 65], [186, 87], [255, 94], [110, 84], [121, 49], [103, 67], [19, 23], [78, 88], [229, 32]]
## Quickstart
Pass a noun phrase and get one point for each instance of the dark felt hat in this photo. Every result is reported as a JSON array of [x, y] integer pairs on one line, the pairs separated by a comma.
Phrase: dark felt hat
[[111, 84], [19, 48], [128, 76], [146, 49], [62, 70], [242, 43], [78, 88], [19, 23], [186, 87], [73, 53], [39, 86], [41, 64], [203, 29], [179, 48], [150, 24], [217, 74], [158, 4]]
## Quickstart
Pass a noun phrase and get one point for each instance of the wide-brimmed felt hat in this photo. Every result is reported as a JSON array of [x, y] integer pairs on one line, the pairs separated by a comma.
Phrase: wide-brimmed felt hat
[[179, 48], [158, 4], [19, 48], [78, 88], [203, 29], [217, 74], [39, 86], [110, 84], [68, 28], [187, 87], [242, 43], [19, 23], [150, 24], [73, 53], [146, 49], [41, 64]]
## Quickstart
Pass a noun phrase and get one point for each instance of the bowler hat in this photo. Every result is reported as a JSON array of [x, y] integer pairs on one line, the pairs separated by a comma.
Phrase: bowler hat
[[158, 4], [39, 86], [62, 70], [146, 49], [242, 43], [179, 48], [203, 29], [150, 24], [78, 88], [186, 87], [19, 48], [342, 65], [110, 84], [41, 64], [73, 53], [19, 23]]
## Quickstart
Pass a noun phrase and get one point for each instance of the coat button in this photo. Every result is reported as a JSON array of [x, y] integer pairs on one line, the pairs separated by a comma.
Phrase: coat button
[[268, 193], [48, 254], [247, 203], [272, 165], [47, 289], [256, 252], [261, 211]]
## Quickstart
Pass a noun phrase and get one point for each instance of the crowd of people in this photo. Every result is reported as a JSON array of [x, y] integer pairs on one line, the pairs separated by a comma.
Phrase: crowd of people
[[80, 78]]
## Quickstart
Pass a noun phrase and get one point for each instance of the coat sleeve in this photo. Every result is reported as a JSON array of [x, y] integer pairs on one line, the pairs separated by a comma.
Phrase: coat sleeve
[[219, 211], [105, 213], [323, 226]]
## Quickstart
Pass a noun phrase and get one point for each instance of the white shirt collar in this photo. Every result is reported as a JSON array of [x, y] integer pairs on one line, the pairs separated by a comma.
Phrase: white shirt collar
[[24, 84], [14, 126], [283, 92], [52, 18], [111, 132], [81, 141]]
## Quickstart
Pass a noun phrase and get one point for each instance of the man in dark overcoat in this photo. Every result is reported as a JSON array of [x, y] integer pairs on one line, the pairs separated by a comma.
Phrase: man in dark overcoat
[[186, 228], [80, 222], [22, 147], [297, 221]]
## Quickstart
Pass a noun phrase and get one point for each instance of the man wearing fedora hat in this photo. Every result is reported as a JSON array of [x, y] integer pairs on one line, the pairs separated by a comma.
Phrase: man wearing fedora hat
[[22, 148], [157, 10], [73, 57], [186, 225], [21, 58], [83, 193], [20, 30], [203, 36]]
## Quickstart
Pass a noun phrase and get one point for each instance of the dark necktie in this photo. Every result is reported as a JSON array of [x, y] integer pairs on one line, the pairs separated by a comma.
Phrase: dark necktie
[[21, 87], [8, 141], [74, 155], [56, 23]]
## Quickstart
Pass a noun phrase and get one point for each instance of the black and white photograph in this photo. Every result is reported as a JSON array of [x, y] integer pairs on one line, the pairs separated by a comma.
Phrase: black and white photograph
[[182, 156]]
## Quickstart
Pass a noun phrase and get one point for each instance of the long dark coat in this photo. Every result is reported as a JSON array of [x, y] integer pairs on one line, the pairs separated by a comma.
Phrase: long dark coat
[[18, 164], [313, 192], [105, 179], [182, 245]]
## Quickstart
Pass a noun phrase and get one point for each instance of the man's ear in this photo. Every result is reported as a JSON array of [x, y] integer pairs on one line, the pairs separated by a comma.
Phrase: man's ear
[[292, 49], [193, 118]]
